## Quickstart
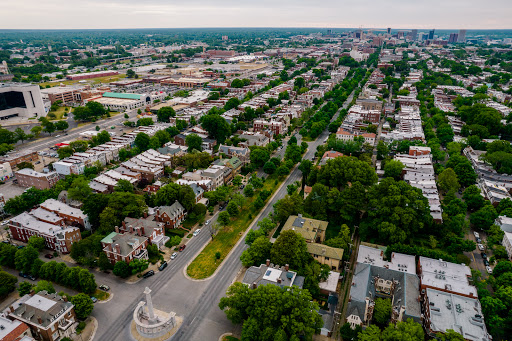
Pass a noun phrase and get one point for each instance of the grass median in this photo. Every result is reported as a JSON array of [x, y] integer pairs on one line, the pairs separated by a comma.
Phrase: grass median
[[205, 264]]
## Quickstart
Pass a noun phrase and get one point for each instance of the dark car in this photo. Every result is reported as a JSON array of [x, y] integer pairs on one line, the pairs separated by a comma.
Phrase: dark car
[[163, 266], [21, 246], [484, 255], [48, 255], [486, 262], [104, 287], [182, 247], [148, 274], [31, 277], [23, 275], [479, 241]]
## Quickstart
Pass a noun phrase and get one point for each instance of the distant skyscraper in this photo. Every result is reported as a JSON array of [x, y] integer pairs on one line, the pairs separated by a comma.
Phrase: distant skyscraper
[[414, 35], [462, 36], [453, 38], [389, 30], [431, 34]]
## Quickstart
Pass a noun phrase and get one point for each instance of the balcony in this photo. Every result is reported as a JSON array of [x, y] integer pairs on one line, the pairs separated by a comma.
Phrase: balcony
[[142, 254]]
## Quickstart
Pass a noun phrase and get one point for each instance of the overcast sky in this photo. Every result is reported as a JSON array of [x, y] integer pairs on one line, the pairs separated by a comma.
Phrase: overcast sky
[[422, 14]]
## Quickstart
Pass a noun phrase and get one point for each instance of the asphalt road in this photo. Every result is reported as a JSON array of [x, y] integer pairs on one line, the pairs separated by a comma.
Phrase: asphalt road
[[196, 301]]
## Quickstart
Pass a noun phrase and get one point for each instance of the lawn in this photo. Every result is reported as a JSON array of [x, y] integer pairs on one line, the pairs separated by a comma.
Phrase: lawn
[[101, 295], [97, 80], [59, 113], [206, 262]]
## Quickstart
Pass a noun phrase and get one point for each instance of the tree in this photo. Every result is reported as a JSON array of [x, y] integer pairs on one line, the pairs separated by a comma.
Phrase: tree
[[450, 335], [232, 103], [393, 169], [473, 198], [122, 269], [163, 137], [25, 288], [382, 150], [410, 330], [259, 156], [287, 206], [25, 164], [257, 253], [448, 181], [48, 127], [79, 146], [79, 189], [465, 174], [371, 333], [36, 242], [165, 113], [19, 135], [342, 240], [130, 73], [44, 286], [142, 141], [170, 193], [36, 130], [382, 311], [83, 305], [65, 152], [269, 167], [138, 265], [7, 283], [194, 141], [290, 248], [270, 312], [124, 186], [61, 125], [216, 126], [223, 218], [248, 191], [104, 263], [145, 121], [103, 137], [25, 257], [232, 209]]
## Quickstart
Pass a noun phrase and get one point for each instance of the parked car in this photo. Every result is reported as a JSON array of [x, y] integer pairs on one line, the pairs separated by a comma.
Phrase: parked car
[[21, 246], [48, 255], [489, 270], [476, 234], [94, 299], [23, 275], [104, 287], [478, 240], [486, 262], [31, 277], [207, 222], [481, 247], [196, 232], [484, 255], [148, 274], [182, 247], [5, 222], [174, 255], [163, 266]]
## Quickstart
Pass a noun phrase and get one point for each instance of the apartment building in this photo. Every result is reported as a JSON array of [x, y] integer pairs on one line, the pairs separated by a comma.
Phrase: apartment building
[[276, 127], [50, 317], [311, 229], [146, 226], [505, 224], [14, 158], [125, 247], [70, 215], [344, 135], [242, 153], [269, 273], [485, 171], [330, 256], [14, 330], [27, 177]]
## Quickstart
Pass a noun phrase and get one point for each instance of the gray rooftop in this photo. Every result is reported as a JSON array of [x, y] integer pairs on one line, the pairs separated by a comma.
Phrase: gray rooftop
[[263, 275]]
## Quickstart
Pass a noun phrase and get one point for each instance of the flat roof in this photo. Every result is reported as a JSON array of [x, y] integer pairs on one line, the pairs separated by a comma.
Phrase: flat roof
[[121, 95], [40, 302], [444, 275], [375, 256]]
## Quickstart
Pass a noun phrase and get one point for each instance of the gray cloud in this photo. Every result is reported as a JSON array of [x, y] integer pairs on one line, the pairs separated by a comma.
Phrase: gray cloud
[[423, 14]]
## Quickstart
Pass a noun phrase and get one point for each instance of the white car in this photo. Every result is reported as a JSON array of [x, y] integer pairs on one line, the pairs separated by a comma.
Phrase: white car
[[489, 270], [174, 255], [207, 222], [476, 234], [481, 247], [196, 232]]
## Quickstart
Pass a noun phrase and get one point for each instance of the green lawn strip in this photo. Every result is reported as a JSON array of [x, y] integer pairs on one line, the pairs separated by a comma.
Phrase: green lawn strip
[[205, 264]]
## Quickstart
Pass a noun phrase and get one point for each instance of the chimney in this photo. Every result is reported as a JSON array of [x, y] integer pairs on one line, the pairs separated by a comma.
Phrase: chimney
[[118, 248], [145, 214], [142, 230], [40, 320], [267, 262], [131, 229], [286, 267], [65, 298], [254, 285], [117, 229], [139, 232], [382, 253], [32, 293], [279, 280], [11, 308], [124, 226], [157, 214]]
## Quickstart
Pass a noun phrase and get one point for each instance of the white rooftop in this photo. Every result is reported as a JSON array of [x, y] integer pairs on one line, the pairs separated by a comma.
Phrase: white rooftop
[[272, 275], [331, 283], [40, 302], [444, 275], [459, 313], [398, 262]]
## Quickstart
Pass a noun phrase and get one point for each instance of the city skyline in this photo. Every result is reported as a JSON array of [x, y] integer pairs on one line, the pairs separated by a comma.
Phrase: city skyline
[[94, 14]]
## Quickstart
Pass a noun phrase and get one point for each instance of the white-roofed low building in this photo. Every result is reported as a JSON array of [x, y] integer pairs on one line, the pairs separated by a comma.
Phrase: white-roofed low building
[[375, 256]]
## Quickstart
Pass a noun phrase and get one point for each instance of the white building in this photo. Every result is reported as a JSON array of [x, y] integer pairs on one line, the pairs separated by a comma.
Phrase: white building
[[20, 100]]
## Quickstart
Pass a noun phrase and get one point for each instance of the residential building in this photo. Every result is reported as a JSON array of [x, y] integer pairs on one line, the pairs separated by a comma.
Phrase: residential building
[[375, 257], [493, 192], [125, 246], [57, 237], [26, 155], [253, 139], [344, 135], [242, 153], [445, 276], [70, 215], [27, 177], [5, 171], [371, 282], [50, 317], [14, 330], [272, 274], [234, 164], [311, 229], [505, 224], [369, 104], [90, 75], [444, 311], [331, 256], [485, 171], [64, 93], [147, 226], [215, 173]]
